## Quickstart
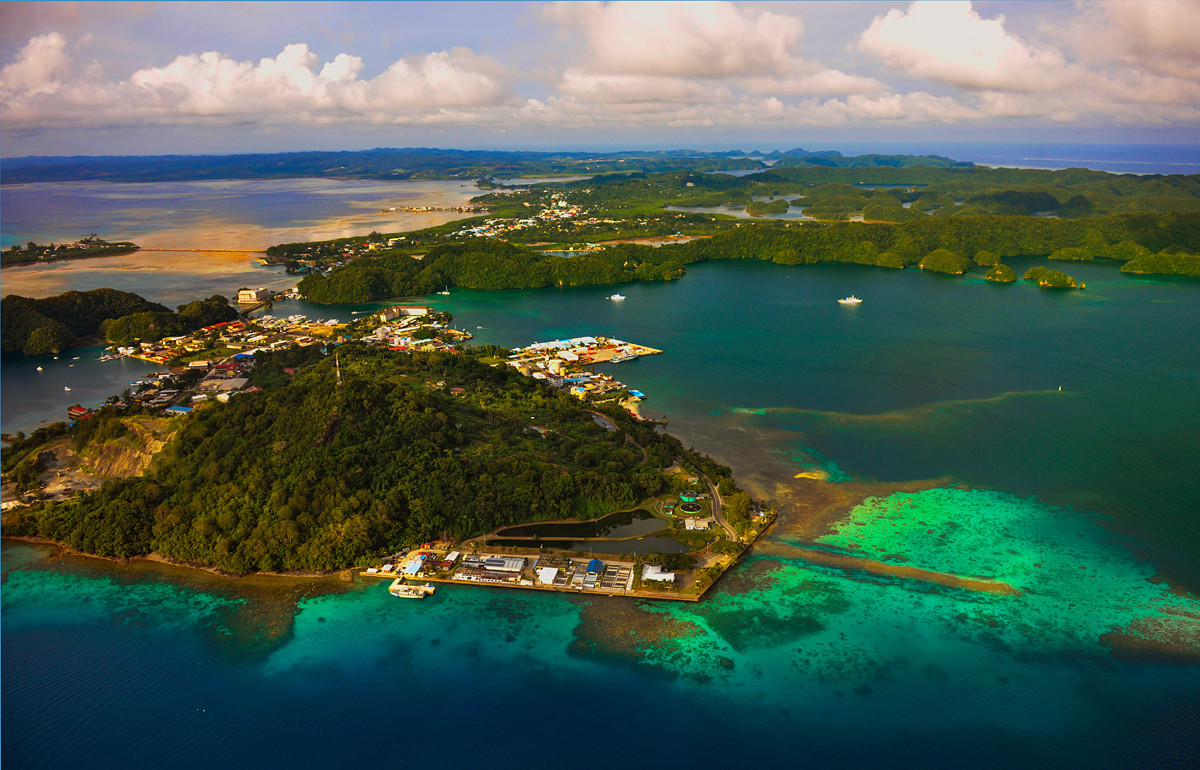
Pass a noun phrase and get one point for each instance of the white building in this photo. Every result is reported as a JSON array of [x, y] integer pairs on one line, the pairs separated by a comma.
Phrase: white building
[[656, 572], [546, 575], [253, 296]]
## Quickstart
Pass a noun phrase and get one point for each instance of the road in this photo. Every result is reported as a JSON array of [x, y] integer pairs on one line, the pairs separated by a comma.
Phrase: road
[[716, 509]]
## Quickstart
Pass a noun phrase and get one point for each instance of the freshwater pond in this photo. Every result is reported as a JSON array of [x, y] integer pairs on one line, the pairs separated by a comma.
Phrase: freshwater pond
[[620, 524]]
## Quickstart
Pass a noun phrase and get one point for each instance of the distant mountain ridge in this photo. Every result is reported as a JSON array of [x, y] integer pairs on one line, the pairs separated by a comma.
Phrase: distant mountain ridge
[[420, 163]]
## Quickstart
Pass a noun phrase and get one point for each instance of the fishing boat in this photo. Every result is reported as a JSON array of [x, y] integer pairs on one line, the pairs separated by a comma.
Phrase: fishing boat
[[404, 591], [617, 297], [851, 300]]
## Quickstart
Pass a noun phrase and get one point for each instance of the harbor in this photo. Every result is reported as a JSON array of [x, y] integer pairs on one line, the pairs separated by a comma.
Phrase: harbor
[[563, 364]]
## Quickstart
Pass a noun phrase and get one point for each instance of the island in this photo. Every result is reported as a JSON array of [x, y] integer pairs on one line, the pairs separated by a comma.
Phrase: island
[[356, 448], [885, 211], [84, 248]]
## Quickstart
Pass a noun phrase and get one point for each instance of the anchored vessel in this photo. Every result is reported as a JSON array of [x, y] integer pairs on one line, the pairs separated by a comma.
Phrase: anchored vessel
[[404, 591], [617, 297], [851, 300]]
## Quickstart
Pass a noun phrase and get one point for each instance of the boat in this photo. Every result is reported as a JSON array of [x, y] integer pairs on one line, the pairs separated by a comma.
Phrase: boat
[[851, 300], [445, 291], [66, 387], [404, 591], [622, 357], [39, 368], [617, 297]]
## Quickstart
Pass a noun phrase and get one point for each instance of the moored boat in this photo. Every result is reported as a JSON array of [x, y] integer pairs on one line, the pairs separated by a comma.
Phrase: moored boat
[[617, 297], [404, 591], [851, 300]]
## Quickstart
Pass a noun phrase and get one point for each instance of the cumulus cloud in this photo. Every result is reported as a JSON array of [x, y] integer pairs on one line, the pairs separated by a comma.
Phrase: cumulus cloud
[[681, 39], [41, 67], [950, 43], [1157, 35], [43, 86]]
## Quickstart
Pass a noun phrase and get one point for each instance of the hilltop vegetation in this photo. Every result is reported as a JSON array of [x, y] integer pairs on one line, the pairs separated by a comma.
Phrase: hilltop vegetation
[[308, 475], [54, 324], [483, 264]]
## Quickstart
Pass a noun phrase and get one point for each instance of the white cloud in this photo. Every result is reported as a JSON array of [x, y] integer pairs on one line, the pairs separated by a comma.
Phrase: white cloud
[[682, 39], [1162, 36], [819, 83], [39, 88], [40, 67], [615, 89], [950, 43]]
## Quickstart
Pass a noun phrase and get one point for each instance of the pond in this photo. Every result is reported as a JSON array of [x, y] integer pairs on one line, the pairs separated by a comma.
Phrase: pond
[[637, 547], [621, 524]]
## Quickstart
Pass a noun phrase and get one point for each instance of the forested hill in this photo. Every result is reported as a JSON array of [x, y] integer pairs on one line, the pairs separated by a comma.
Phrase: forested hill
[[54, 324], [309, 475]]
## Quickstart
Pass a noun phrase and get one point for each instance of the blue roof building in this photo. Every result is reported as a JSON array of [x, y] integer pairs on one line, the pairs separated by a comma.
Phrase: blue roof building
[[595, 567]]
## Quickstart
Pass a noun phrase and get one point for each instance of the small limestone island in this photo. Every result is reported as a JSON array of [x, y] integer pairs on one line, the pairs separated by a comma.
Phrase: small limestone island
[[84, 248], [415, 460]]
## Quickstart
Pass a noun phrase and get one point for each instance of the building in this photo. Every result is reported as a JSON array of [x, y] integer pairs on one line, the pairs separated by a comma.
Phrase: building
[[696, 524], [504, 563], [253, 296], [595, 567], [656, 572], [546, 575], [397, 311]]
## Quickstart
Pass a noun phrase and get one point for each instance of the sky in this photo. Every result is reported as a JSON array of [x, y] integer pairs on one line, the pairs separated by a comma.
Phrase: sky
[[97, 78]]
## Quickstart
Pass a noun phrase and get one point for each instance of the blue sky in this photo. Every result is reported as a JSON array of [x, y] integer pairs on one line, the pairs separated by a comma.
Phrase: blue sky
[[125, 78]]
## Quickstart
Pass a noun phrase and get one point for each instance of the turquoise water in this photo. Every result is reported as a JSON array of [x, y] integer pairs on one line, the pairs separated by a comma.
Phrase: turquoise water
[[1082, 499]]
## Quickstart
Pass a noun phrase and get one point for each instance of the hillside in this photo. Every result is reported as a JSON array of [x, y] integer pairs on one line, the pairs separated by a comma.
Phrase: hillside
[[310, 475]]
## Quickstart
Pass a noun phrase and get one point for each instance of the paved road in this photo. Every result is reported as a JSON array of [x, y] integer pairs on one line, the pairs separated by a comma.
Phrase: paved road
[[716, 508], [609, 421]]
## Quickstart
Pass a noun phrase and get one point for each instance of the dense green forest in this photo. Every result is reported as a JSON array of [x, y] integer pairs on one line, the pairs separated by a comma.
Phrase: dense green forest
[[309, 475], [54, 324], [484, 263], [87, 247], [887, 193]]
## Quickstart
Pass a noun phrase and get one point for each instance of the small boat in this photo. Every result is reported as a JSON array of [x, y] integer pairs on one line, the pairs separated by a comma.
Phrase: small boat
[[76, 358], [851, 300], [445, 291], [404, 591], [39, 368], [617, 297], [66, 387]]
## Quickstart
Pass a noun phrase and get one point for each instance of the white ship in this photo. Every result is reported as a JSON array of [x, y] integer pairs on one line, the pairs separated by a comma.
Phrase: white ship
[[617, 297], [851, 300], [401, 589]]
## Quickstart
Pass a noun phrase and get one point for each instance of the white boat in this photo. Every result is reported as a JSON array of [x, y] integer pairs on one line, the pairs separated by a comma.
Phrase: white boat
[[404, 591], [617, 297], [66, 387], [851, 300], [445, 290], [39, 368]]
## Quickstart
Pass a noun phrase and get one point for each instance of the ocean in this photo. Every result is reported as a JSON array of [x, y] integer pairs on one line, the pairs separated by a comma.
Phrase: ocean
[[934, 415]]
